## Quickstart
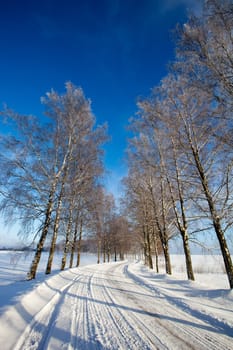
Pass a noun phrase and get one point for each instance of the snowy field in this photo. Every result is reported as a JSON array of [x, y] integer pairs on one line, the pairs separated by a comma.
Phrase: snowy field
[[114, 306]]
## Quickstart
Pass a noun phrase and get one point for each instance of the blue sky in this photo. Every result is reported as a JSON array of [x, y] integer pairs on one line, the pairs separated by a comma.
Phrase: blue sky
[[116, 50]]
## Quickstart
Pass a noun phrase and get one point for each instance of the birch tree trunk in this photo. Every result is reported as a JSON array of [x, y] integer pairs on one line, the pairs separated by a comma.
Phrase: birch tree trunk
[[67, 241], [79, 243], [150, 261], [145, 246], [181, 218], [156, 251], [73, 247], [55, 230], [98, 251], [40, 245], [104, 248], [108, 251], [215, 218]]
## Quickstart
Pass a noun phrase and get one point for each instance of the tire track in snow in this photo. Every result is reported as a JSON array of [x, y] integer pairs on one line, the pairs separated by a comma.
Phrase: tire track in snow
[[92, 321], [209, 340], [182, 338], [141, 335], [123, 329], [114, 330], [147, 327], [83, 327], [41, 326]]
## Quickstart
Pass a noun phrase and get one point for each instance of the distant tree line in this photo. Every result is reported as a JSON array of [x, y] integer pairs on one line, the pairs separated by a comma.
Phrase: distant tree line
[[180, 157]]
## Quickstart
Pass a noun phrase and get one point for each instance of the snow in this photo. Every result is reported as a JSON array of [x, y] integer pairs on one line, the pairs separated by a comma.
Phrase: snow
[[121, 305]]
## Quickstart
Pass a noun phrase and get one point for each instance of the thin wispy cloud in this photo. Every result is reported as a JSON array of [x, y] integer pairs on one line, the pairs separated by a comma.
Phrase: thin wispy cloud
[[194, 6]]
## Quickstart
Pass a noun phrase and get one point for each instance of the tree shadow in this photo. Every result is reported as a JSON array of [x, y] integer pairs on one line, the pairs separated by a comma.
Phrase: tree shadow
[[213, 325]]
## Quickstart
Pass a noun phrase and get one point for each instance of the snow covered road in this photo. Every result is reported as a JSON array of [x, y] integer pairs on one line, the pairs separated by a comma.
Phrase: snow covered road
[[117, 306]]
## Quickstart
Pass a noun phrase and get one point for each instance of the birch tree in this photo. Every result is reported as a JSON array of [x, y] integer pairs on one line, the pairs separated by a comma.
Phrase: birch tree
[[66, 111]]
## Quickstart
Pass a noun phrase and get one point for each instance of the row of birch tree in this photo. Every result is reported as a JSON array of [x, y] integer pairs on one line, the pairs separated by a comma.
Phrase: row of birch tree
[[50, 169], [180, 157]]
